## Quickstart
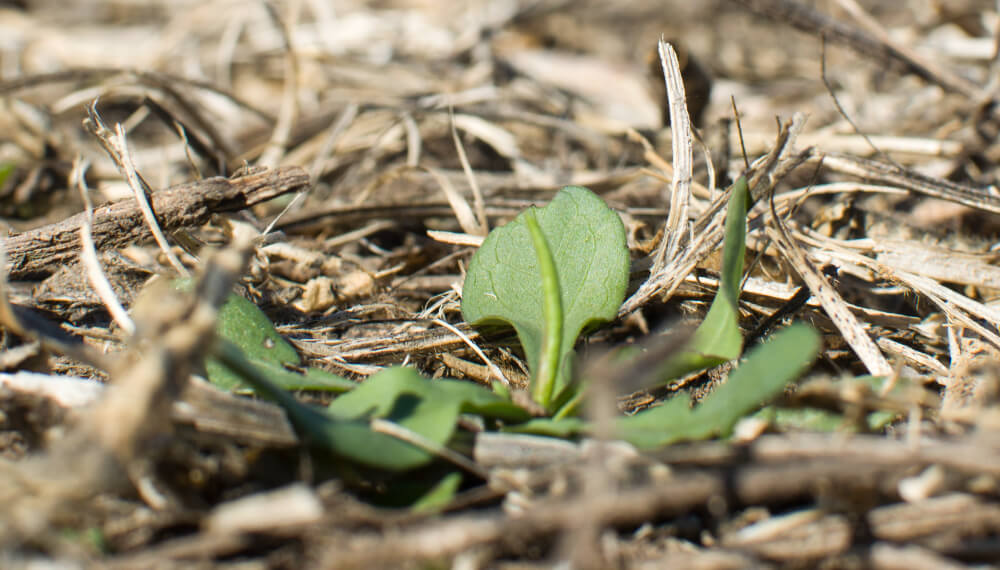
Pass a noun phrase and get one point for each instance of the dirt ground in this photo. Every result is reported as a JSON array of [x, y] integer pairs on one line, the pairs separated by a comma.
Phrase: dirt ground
[[357, 151]]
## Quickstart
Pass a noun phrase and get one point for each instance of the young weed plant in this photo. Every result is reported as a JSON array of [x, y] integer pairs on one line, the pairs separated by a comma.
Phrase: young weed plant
[[552, 273]]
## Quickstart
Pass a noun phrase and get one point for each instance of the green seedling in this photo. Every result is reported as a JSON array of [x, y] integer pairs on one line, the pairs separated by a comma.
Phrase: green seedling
[[762, 376], [717, 340], [550, 273]]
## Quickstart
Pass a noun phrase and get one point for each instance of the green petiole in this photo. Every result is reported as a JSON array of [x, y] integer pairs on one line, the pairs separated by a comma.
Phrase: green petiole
[[551, 350]]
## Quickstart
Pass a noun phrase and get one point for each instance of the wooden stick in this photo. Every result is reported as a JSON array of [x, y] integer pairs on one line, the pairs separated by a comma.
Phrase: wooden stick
[[36, 253]]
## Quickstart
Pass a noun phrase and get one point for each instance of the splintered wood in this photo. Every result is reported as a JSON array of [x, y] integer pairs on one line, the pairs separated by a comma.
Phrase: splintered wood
[[37, 252]]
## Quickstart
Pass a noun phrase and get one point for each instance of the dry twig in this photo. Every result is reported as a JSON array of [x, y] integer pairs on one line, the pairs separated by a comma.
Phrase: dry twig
[[39, 251]]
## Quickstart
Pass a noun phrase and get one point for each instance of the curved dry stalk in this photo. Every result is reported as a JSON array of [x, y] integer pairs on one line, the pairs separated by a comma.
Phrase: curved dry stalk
[[677, 225], [876, 171], [459, 205], [482, 225], [709, 228], [117, 148], [941, 75], [88, 255], [493, 368], [811, 20], [157, 78]]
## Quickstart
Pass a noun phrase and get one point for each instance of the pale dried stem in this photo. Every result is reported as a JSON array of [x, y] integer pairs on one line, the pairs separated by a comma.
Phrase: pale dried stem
[[141, 191], [482, 226], [710, 227], [459, 205], [852, 330], [677, 227], [88, 255], [288, 114], [117, 148], [494, 369], [944, 76]]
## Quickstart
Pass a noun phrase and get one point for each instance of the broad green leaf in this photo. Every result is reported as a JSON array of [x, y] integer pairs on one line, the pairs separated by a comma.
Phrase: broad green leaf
[[245, 325], [375, 397], [509, 276], [717, 339], [763, 375], [310, 422]]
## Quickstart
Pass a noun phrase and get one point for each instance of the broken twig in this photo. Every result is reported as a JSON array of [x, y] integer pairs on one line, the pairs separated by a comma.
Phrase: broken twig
[[38, 252]]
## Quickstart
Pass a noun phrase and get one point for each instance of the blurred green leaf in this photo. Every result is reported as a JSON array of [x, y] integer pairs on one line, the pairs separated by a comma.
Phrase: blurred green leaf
[[428, 408], [552, 427], [506, 282], [822, 420], [826, 420], [6, 169], [313, 379], [763, 375], [243, 323], [440, 494]]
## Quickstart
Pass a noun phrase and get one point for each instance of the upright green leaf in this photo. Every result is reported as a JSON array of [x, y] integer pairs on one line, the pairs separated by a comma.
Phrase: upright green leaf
[[551, 351], [505, 281], [718, 339]]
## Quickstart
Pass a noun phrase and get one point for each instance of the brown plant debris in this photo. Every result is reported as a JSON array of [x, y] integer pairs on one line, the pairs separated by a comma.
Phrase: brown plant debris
[[337, 164]]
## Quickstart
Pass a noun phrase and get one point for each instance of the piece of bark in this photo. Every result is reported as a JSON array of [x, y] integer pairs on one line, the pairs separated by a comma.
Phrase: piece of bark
[[38, 252]]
